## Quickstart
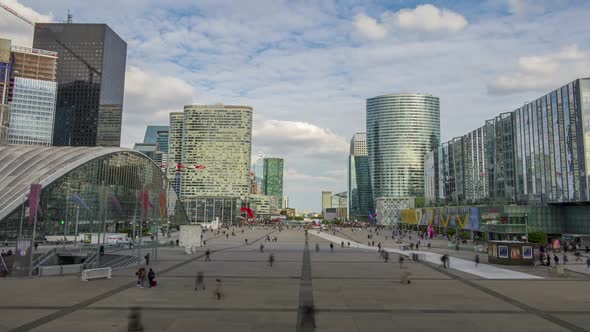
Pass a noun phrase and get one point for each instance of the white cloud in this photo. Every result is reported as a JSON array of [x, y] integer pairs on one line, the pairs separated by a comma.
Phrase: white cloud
[[543, 72], [526, 7], [12, 27], [308, 140], [149, 99], [369, 27], [427, 18]]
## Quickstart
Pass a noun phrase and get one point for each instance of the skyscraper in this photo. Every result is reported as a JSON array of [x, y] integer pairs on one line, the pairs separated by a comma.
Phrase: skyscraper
[[360, 194], [401, 129], [155, 144], [213, 144], [272, 179], [4, 86], [91, 79], [32, 96]]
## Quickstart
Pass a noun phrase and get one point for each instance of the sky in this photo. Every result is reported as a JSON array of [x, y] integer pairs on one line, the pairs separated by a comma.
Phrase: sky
[[307, 67]]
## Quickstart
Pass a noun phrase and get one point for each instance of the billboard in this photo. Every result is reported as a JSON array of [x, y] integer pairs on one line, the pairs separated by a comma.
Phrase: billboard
[[449, 217]]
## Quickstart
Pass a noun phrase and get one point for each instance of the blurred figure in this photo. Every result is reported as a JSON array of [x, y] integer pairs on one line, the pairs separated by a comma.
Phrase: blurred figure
[[476, 259], [218, 292], [401, 261], [331, 247], [271, 259], [207, 255], [261, 247], [200, 281], [317, 247], [405, 278], [134, 324]]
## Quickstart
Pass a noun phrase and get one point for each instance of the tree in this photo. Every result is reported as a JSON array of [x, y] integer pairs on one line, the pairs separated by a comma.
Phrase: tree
[[537, 237]]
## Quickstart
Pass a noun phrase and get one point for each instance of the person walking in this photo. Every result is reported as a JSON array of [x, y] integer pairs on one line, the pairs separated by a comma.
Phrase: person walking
[[385, 256], [271, 259], [261, 247], [379, 246], [199, 281], [134, 324], [138, 274], [565, 259], [445, 260], [151, 276], [331, 247], [246, 240], [556, 259], [588, 262], [147, 258], [476, 259], [342, 244], [401, 261], [317, 247], [208, 255], [218, 292], [428, 245], [348, 244], [142, 275]]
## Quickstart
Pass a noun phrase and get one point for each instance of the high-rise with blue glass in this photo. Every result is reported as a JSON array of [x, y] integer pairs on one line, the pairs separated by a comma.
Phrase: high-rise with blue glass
[[360, 194], [401, 129]]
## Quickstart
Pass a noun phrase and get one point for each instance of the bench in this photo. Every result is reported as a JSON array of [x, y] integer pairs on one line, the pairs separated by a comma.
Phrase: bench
[[104, 272]]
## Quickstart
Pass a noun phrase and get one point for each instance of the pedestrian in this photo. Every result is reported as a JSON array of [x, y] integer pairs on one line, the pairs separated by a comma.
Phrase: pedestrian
[[373, 243], [428, 245], [417, 244], [385, 256], [208, 255], [379, 246], [556, 259], [138, 274], [476, 259], [271, 259], [412, 245], [578, 256], [218, 292], [134, 324], [349, 244], [227, 236], [200, 281], [246, 240], [445, 260], [147, 258], [457, 245], [342, 244], [141, 276], [588, 262], [317, 247], [177, 242], [565, 259], [331, 247], [261, 247], [401, 261], [36, 245], [151, 276]]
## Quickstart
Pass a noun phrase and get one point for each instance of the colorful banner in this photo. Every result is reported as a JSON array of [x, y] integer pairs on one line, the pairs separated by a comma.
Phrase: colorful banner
[[34, 201], [461, 217]]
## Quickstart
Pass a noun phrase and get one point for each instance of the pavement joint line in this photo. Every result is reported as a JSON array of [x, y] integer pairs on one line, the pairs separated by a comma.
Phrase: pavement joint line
[[546, 315], [68, 310], [318, 310], [305, 318]]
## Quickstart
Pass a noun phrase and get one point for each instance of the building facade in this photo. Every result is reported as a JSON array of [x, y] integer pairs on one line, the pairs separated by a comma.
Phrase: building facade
[[272, 179], [155, 144], [213, 145], [401, 128], [91, 79], [5, 55], [537, 155], [360, 193], [326, 200], [264, 206]]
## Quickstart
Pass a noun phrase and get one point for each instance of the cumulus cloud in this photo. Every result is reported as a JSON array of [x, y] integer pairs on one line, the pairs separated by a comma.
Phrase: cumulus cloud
[[308, 140], [369, 27], [12, 27], [427, 18], [543, 72], [149, 98]]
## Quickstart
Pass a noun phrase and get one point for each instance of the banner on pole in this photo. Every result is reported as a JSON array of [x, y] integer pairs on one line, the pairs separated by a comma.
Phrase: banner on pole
[[34, 200]]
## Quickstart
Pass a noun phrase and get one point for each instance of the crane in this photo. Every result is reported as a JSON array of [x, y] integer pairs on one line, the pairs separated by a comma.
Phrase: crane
[[91, 69]]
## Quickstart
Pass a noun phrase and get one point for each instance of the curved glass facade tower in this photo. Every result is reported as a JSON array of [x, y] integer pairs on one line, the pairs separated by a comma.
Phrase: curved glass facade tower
[[401, 129]]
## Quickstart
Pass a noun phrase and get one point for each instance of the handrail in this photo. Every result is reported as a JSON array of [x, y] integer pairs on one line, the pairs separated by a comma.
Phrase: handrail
[[43, 258]]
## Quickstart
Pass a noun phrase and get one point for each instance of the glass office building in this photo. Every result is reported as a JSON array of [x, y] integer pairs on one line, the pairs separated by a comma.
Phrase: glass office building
[[91, 79], [96, 189], [360, 194], [401, 128], [537, 155], [213, 143], [272, 178], [32, 112]]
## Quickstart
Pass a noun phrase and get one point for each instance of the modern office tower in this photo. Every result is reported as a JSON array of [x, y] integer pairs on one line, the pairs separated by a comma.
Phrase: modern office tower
[[285, 202], [401, 128], [155, 144], [326, 200], [213, 145], [91, 79], [272, 179], [263, 206], [360, 194], [534, 155], [5, 55], [32, 96], [257, 175]]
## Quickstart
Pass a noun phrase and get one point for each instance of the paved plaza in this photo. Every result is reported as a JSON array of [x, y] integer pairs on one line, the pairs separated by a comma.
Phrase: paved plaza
[[349, 289]]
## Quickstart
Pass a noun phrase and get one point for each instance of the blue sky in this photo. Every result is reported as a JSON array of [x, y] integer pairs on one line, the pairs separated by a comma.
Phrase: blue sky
[[307, 66]]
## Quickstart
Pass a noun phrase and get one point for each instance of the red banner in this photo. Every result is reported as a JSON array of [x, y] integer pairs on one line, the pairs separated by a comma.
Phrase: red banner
[[34, 198], [162, 206]]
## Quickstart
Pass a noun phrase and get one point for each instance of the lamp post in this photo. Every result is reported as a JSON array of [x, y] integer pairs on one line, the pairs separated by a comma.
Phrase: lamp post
[[526, 226]]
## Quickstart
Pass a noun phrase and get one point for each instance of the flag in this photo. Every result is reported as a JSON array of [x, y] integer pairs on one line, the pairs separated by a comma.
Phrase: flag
[[79, 201], [34, 201], [144, 199], [116, 203], [162, 205]]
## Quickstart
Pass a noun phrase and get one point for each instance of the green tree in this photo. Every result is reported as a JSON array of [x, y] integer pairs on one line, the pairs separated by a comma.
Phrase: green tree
[[537, 237]]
